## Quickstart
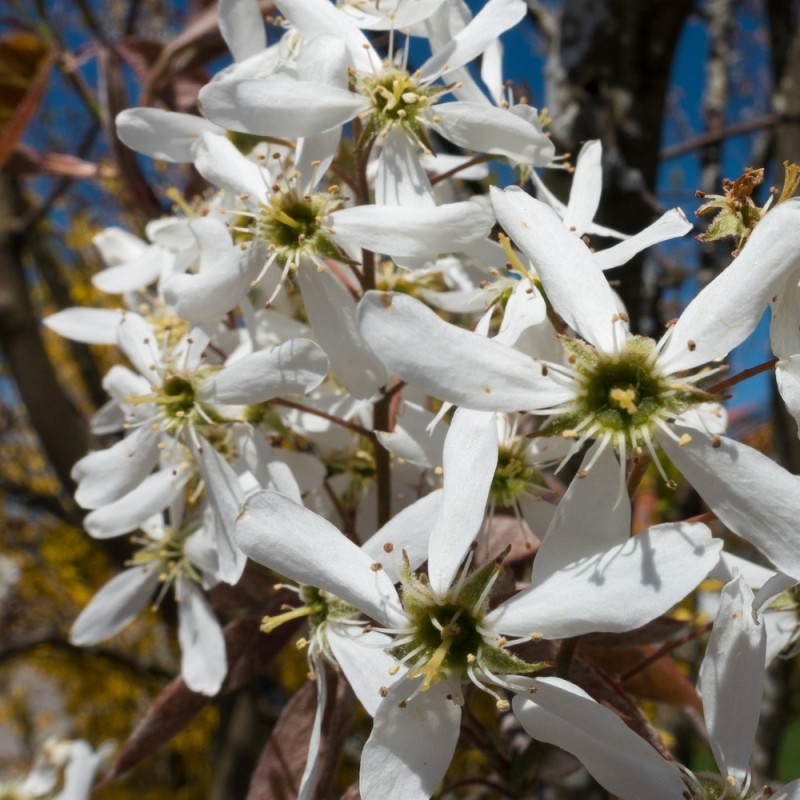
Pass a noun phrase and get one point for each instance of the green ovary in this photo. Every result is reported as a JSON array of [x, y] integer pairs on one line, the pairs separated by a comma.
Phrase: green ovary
[[623, 397]]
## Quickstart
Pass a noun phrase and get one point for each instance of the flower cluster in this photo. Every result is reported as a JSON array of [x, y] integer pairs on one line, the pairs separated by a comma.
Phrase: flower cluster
[[297, 340]]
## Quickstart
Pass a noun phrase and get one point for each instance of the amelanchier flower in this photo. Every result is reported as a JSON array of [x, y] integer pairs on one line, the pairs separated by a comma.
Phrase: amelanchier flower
[[175, 406], [316, 100], [627, 392], [443, 630], [731, 685], [177, 556]]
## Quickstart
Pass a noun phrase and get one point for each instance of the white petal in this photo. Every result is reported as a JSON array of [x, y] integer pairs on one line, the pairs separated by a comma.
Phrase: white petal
[[470, 459], [220, 162], [784, 328], [148, 266], [411, 439], [303, 546], [242, 28], [165, 135], [669, 225], [393, 15], [525, 307], [587, 520], [751, 494], [223, 278], [727, 311], [308, 781], [88, 325], [450, 363], [313, 18], [496, 17], [574, 285], [658, 568], [787, 376], [332, 312], [587, 185], [106, 475], [411, 231], [410, 748], [789, 792], [138, 341], [731, 680], [620, 760], [401, 179], [116, 245], [408, 532], [364, 661], [152, 495], [295, 367], [115, 605], [488, 129], [280, 106], [226, 498], [204, 662]]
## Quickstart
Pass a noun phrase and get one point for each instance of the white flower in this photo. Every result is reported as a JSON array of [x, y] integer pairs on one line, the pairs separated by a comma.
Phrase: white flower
[[178, 556], [626, 391], [444, 633], [731, 684]]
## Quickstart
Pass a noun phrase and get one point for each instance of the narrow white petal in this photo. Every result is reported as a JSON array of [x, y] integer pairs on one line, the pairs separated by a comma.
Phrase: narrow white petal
[[413, 231], [204, 662], [658, 568], [153, 262], [669, 225], [407, 532], [411, 747], [280, 106], [787, 376], [303, 546], [295, 367], [314, 18], [332, 312], [731, 680], [621, 761], [487, 129], [401, 179], [789, 792], [226, 498], [152, 495], [116, 245], [364, 662], [115, 605], [308, 781], [727, 311], [220, 163], [450, 363], [88, 325], [525, 307], [411, 439], [587, 185], [784, 328], [574, 285], [470, 459], [138, 341], [587, 521], [496, 17], [242, 28], [165, 135], [106, 475], [751, 494]]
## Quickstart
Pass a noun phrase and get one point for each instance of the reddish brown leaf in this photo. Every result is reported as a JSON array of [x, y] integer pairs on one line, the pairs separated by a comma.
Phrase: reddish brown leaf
[[655, 632], [248, 650], [280, 768], [662, 681], [505, 530], [25, 63]]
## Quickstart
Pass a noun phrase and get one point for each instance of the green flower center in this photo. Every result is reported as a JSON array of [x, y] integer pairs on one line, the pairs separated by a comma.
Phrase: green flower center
[[513, 475], [396, 99], [292, 226], [623, 398]]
